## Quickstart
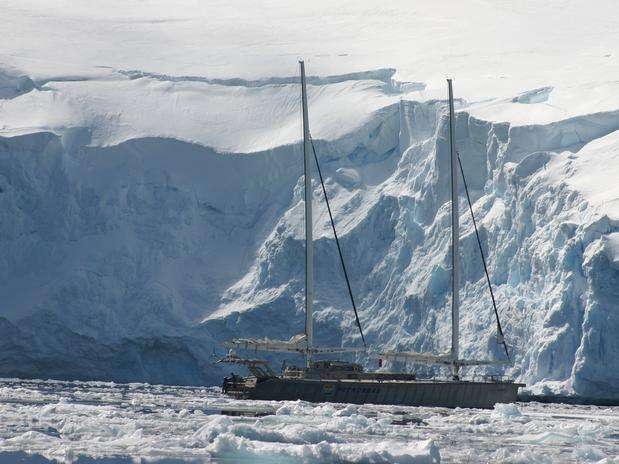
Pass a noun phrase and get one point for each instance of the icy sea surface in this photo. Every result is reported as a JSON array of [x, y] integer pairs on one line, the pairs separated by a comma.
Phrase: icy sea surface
[[53, 421]]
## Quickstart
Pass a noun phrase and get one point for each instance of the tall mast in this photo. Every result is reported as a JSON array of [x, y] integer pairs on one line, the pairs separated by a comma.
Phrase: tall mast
[[455, 239], [309, 244]]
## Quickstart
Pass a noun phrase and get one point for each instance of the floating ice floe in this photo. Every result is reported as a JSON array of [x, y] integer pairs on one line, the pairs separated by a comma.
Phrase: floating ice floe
[[152, 423]]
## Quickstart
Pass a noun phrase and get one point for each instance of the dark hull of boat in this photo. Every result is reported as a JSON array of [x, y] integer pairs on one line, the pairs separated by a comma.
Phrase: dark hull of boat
[[450, 394]]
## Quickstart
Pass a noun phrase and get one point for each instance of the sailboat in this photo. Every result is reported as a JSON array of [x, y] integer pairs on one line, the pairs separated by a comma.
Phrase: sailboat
[[347, 382]]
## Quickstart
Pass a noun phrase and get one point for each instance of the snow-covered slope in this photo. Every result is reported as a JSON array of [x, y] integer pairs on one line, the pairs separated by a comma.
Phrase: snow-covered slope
[[150, 183]]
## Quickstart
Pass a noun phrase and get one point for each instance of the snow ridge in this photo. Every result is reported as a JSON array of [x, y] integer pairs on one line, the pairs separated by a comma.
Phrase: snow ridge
[[385, 75]]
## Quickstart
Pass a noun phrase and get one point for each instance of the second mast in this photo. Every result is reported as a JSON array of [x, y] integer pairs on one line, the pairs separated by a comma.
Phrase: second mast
[[309, 243]]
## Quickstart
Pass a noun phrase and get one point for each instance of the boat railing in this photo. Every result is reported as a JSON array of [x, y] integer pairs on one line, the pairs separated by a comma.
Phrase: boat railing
[[497, 378], [294, 372]]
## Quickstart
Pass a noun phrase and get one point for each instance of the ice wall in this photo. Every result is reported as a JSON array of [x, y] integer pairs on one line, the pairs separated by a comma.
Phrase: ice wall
[[150, 252]]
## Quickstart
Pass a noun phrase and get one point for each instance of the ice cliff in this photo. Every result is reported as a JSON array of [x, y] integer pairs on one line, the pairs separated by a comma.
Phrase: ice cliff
[[147, 216]]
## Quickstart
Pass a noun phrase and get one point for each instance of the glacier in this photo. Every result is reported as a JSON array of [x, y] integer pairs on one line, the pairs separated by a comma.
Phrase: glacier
[[151, 208]]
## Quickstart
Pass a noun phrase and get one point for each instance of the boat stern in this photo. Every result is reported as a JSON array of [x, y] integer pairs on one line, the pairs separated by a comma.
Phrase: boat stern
[[237, 386]]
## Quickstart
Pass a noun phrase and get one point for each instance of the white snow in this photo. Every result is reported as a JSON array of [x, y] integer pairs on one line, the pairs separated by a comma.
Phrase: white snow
[[592, 171], [68, 421], [488, 46], [150, 182], [499, 53], [227, 118]]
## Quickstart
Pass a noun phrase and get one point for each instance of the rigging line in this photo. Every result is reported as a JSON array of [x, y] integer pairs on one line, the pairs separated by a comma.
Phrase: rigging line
[[337, 242], [483, 260]]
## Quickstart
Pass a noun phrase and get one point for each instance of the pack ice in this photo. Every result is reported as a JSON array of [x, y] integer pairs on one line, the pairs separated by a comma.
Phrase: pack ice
[[151, 183]]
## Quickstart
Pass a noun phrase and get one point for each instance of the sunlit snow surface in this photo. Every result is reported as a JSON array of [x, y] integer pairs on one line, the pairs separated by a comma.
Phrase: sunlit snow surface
[[107, 422]]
